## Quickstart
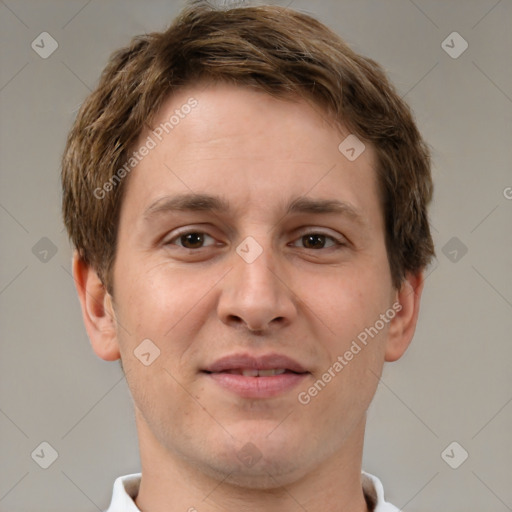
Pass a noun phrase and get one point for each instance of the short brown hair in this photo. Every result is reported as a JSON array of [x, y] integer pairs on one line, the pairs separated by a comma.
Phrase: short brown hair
[[276, 50]]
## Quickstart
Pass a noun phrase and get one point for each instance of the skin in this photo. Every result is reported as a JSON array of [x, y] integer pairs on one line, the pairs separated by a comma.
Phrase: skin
[[306, 299]]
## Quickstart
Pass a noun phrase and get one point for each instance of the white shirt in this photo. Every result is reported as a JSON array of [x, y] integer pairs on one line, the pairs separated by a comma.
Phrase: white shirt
[[126, 489]]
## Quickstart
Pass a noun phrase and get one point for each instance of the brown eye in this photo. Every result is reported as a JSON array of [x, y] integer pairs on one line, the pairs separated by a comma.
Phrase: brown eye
[[190, 240], [314, 241], [318, 241]]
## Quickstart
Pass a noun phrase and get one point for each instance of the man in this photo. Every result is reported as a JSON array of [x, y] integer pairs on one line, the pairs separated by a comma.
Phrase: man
[[248, 202]]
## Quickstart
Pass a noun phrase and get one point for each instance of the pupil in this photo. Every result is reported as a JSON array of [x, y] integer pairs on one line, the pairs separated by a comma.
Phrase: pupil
[[311, 238], [192, 239]]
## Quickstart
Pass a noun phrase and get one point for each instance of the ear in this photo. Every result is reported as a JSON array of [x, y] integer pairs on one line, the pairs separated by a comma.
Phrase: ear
[[97, 310], [403, 325]]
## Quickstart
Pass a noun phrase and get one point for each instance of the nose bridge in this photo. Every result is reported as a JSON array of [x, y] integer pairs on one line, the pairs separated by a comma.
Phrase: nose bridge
[[256, 263], [255, 268]]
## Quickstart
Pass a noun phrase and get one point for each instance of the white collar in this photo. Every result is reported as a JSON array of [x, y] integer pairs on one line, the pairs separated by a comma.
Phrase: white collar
[[126, 489]]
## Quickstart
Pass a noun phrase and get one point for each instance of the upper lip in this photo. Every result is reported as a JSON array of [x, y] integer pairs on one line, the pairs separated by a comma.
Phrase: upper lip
[[262, 362]]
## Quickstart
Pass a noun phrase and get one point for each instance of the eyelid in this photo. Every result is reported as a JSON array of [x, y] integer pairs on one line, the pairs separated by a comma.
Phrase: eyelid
[[339, 240], [187, 231]]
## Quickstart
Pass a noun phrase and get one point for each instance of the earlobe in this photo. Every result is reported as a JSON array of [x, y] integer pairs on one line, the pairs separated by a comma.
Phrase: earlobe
[[97, 310], [403, 325]]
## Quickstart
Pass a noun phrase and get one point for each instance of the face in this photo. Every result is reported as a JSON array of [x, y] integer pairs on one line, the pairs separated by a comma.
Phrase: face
[[245, 232]]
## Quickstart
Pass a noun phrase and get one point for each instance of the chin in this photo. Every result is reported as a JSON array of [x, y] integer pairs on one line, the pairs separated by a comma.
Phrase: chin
[[257, 462], [265, 474]]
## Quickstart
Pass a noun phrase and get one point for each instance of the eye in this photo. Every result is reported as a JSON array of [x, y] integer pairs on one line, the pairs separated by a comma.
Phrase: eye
[[190, 240], [318, 241], [197, 240]]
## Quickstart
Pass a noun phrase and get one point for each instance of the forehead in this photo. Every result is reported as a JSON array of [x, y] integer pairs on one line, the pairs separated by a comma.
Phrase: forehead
[[224, 139], [246, 115]]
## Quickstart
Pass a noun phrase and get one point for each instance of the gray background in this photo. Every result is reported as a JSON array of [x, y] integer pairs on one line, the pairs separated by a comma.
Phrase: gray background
[[453, 384]]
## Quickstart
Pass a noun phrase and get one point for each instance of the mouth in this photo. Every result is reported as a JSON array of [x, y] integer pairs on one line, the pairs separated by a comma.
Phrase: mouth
[[251, 372], [250, 376]]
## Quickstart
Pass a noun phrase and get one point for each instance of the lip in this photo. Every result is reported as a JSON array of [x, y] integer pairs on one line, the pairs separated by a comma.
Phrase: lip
[[263, 362], [256, 387]]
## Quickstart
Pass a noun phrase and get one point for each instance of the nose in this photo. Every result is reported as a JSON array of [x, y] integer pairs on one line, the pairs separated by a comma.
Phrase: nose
[[256, 294]]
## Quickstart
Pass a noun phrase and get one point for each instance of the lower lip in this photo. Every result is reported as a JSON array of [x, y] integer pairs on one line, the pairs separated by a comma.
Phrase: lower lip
[[258, 387]]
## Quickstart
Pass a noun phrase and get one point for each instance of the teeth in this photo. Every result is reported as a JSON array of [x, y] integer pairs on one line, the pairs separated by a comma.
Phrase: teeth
[[249, 373], [257, 373], [270, 373]]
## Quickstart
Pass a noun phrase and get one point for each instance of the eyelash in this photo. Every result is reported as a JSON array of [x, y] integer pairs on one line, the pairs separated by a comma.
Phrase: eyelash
[[337, 242]]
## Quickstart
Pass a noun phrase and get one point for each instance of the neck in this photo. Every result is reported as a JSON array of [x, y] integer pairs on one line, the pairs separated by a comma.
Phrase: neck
[[169, 482]]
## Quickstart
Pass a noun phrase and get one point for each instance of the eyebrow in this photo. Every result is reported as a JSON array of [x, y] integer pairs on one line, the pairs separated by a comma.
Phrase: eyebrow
[[187, 202], [215, 204]]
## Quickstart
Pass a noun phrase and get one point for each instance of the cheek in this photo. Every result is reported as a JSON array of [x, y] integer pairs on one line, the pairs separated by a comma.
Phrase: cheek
[[354, 338], [348, 302], [156, 298], [168, 306]]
